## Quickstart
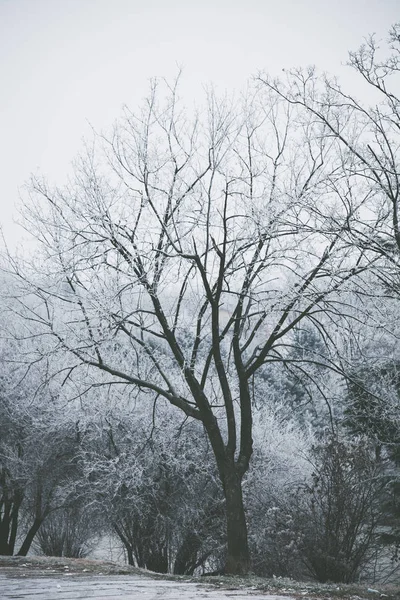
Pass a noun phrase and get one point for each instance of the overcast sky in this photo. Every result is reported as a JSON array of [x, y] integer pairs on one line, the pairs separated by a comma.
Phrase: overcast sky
[[67, 63]]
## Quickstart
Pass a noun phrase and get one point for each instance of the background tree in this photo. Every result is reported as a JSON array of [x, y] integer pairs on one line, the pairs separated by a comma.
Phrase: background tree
[[38, 441], [37, 464], [373, 411], [368, 133]]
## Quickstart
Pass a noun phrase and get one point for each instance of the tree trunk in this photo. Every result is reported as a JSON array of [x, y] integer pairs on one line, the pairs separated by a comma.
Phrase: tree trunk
[[14, 520], [5, 548], [238, 557], [4, 535], [186, 558], [129, 553], [29, 537], [128, 546]]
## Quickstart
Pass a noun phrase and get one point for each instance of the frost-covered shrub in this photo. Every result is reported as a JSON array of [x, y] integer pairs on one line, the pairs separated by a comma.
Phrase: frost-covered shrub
[[278, 468], [340, 510], [71, 532], [320, 520], [159, 491]]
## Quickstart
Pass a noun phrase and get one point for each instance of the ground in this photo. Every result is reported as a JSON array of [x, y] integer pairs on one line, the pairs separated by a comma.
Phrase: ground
[[44, 578]]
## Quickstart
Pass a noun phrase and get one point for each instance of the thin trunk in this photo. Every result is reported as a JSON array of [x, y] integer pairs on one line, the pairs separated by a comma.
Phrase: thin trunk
[[5, 549], [30, 537], [14, 520], [127, 544], [130, 556], [5, 524], [157, 560], [186, 558]]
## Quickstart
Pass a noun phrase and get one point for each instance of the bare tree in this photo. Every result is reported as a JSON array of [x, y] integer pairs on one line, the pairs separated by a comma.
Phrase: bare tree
[[183, 254], [368, 131]]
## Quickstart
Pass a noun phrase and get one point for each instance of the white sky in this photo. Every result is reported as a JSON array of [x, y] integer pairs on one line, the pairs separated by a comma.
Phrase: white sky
[[67, 63]]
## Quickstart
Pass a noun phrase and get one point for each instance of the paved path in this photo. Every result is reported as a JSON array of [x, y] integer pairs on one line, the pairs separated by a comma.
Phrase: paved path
[[72, 587]]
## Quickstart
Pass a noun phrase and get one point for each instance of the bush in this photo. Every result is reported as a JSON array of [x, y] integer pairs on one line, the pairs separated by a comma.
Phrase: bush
[[328, 525], [342, 511], [71, 532]]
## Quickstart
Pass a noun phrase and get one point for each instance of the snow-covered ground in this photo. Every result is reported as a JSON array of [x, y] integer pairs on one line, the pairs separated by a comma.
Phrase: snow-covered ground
[[68, 587]]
